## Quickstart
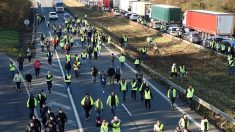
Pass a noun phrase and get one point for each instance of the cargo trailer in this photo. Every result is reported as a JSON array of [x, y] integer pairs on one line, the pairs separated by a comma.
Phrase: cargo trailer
[[104, 3], [166, 13], [141, 8], [209, 22], [125, 5]]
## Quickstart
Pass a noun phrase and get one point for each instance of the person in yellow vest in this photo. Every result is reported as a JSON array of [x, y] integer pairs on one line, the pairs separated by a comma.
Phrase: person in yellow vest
[[173, 71], [49, 78], [99, 47], [67, 80], [142, 88], [137, 63], [123, 89], [171, 94], [158, 127], [41, 99], [42, 46], [125, 40], [184, 122], [147, 97], [189, 95], [182, 71], [109, 41], [116, 124], [204, 124], [87, 103], [231, 66], [71, 40], [104, 126], [98, 107], [149, 40], [12, 69], [68, 57], [122, 60], [82, 39], [223, 48], [144, 50], [113, 102], [76, 66], [31, 104], [133, 89], [84, 58], [62, 43]]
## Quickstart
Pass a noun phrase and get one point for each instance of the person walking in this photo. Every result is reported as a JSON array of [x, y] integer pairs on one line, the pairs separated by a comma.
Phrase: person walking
[[12, 69], [149, 41], [231, 65], [98, 108], [20, 61], [113, 102], [42, 97], [49, 78], [184, 122], [111, 74], [67, 66], [137, 63], [67, 80], [51, 124], [37, 66], [123, 89], [87, 103], [189, 96], [177, 129], [49, 57], [147, 97], [84, 58], [144, 51], [31, 127], [125, 40], [76, 67], [17, 79], [133, 89], [158, 127], [42, 45], [116, 124], [171, 94], [37, 123], [173, 71], [103, 80], [68, 57], [28, 78], [29, 54], [43, 112], [31, 104], [139, 77], [122, 60], [94, 73], [104, 126], [96, 52], [118, 73], [182, 71], [61, 119], [204, 124], [142, 88], [112, 59]]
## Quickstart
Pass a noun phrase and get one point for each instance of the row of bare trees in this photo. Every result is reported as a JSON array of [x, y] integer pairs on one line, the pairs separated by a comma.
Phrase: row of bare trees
[[13, 12]]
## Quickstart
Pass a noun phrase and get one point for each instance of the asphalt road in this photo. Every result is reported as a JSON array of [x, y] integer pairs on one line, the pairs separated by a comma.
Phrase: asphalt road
[[133, 115]]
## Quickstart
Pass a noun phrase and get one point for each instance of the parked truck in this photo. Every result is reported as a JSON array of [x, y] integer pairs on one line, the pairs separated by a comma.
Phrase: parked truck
[[166, 14], [58, 5], [209, 23], [116, 3], [126, 5], [141, 8]]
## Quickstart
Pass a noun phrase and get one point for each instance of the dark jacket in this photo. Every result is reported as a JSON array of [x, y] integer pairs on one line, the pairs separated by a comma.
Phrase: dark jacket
[[28, 77], [67, 66], [111, 72]]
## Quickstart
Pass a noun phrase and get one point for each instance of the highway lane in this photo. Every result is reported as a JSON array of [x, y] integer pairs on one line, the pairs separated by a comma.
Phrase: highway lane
[[141, 120]]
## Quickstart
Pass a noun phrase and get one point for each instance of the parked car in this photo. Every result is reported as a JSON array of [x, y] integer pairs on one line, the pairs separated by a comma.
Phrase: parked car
[[134, 17], [116, 13], [174, 31], [127, 15], [155, 24], [193, 37], [53, 15]]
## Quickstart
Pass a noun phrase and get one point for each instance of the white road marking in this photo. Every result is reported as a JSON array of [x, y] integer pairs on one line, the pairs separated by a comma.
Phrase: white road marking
[[77, 43], [79, 124], [159, 92], [60, 94], [66, 107], [127, 110], [35, 111]]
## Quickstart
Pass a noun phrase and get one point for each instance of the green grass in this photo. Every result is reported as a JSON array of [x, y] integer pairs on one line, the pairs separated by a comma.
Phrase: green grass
[[9, 41]]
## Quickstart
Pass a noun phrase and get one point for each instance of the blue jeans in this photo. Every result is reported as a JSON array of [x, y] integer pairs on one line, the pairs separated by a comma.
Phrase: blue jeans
[[67, 84], [113, 109], [122, 65], [98, 113], [84, 62], [12, 74], [231, 70]]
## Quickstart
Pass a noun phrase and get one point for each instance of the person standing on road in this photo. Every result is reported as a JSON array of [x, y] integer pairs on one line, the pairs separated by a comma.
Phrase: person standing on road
[[31, 104], [142, 88], [76, 67], [43, 113], [87, 103], [103, 80], [139, 77], [189, 95], [61, 118], [84, 58], [29, 54], [104, 126], [158, 127], [118, 73], [49, 78], [12, 69], [42, 45], [98, 107], [171, 94], [20, 61], [67, 80], [51, 124], [37, 123], [122, 60], [133, 89], [67, 66], [49, 55], [42, 97], [94, 73], [42, 36], [17, 79], [31, 127], [28, 78], [37, 66], [144, 51], [111, 75], [184, 122], [125, 40], [204, 124], [116, 124], [96, 52], [173, 71], [113, 102], [182, 71], [123, 89], [147, 97], [112, 59], [231, 65]]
